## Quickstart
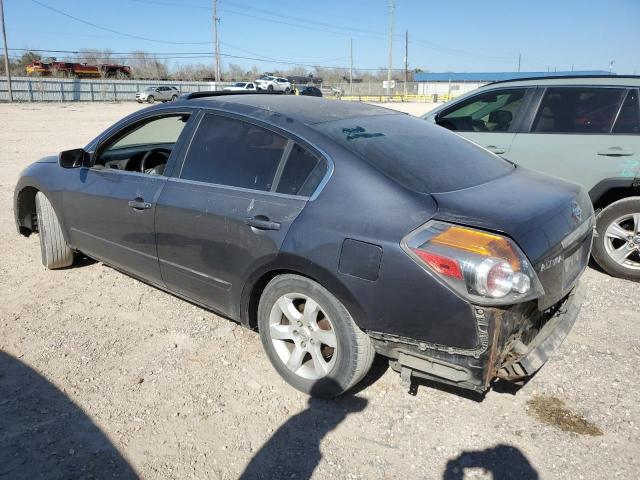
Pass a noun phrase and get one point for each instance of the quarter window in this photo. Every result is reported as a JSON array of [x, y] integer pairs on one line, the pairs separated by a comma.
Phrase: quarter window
[[628, 120], [578, 110], [302, 172], [230, 152], [488, 112]]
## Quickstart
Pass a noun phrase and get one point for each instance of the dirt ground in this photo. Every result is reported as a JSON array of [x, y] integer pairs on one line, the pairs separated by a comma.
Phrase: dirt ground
[[102, 376]]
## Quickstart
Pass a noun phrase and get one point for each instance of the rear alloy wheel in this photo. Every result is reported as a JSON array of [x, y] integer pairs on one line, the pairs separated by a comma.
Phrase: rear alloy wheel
[[310, 338], [616, 247], [151, 99], [174, 98]]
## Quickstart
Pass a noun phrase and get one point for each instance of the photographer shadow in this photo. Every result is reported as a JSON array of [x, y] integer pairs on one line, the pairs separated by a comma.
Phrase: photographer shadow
[[43, 434]]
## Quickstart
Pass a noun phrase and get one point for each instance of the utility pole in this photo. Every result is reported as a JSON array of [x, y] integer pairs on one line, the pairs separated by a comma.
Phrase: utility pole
[[351, 67], [6, 53], [392, 7], [406, 61], [216, 41], [519, 60]]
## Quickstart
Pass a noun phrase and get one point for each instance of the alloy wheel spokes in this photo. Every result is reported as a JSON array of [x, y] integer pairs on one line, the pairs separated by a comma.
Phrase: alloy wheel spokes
[[620, 254], [616, 231], [303, 336], [636, 223]]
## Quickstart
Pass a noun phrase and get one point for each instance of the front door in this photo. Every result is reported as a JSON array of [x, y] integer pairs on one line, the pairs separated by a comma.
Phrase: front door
[[228, 209], [583, 134], [111, 210]]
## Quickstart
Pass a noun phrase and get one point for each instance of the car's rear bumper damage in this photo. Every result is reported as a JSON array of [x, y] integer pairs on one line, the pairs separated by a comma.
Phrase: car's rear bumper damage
[[513, 344]]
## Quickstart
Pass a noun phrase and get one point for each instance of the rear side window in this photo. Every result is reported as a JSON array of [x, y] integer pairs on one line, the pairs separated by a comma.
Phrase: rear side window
[[416, 153], [488, 112], [302, 173], [230, 152], [628, 120], [578, 110]]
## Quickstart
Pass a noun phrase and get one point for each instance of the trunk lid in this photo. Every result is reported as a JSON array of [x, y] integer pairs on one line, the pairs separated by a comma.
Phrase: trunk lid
[[551, 221]]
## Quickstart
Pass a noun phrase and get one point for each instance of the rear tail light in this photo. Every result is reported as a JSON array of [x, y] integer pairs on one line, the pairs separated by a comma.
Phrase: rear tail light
[[483, 267]]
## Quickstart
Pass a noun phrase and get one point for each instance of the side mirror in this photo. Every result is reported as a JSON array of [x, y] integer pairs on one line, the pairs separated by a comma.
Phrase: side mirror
[[73, 158]]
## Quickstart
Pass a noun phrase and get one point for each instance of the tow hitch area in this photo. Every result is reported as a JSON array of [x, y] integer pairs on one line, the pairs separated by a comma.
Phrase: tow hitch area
[[524, 360]]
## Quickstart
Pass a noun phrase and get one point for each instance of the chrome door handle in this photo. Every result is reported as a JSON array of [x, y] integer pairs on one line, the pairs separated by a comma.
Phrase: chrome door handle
[[261, 224], [139, 204], [496, 150]]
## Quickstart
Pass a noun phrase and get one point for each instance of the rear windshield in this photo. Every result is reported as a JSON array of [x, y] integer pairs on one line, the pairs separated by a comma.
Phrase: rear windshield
[[419, 155]]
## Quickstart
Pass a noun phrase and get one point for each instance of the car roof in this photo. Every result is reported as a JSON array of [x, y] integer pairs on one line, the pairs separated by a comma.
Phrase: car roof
[[599, 80], [307, 110]]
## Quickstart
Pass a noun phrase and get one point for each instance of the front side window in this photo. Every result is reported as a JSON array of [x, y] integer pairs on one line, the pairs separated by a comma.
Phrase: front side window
[[628, 120], [488, 112], [231, 152], [145, 146], [578, 110], [164, 130]]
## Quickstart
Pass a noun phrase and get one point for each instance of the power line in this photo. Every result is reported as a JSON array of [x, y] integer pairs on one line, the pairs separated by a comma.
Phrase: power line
[[349, 29], [106, 29]]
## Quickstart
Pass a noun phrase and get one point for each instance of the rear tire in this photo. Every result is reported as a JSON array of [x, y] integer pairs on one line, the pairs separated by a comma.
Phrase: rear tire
[[174, 98], [314, 316], [616, 247], [54, 249]]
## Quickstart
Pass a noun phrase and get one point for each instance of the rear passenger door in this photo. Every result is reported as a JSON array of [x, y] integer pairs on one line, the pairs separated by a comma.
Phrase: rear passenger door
[[584, 134], [229, 207], [489, 118]]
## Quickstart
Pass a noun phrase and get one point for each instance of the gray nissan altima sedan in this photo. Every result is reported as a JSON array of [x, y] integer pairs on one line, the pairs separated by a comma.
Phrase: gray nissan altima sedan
[[339, 230]]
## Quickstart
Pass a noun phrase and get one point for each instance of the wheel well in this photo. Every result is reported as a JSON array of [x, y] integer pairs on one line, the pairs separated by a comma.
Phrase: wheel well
[[26, 210], [256, 293], [613, 195]]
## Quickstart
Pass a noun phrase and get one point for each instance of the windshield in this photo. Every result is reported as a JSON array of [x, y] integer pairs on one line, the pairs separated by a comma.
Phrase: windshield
[[239, 84], [418, 155]]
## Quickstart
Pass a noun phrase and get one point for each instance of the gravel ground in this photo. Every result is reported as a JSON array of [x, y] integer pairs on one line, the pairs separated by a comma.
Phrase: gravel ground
[[102, 376]]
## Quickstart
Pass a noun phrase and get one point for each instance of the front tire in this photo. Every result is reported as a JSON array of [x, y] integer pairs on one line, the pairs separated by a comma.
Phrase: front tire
[[616, 247], [151, 99], [270, 88], [54, 250], [310, 337], [174, 98]]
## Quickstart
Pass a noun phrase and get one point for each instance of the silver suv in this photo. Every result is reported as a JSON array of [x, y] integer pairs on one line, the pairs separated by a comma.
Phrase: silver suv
[[161, 93], [583, 129]]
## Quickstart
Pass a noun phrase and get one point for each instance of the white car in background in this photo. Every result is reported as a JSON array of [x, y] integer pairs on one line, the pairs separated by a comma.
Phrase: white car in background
[[241, 86], [270, 84]]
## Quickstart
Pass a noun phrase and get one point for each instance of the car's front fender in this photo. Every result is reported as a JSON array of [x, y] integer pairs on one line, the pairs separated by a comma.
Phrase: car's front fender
[[44, 176]]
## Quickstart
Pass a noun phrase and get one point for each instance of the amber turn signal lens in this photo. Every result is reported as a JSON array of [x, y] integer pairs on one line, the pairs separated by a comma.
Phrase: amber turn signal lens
[[480, 243]]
